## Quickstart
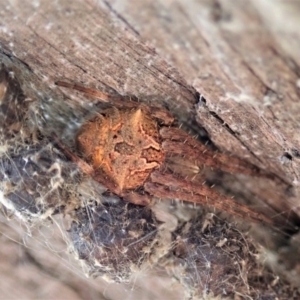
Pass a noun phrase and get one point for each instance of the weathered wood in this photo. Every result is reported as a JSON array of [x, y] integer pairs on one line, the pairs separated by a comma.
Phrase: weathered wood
[[242, 57]]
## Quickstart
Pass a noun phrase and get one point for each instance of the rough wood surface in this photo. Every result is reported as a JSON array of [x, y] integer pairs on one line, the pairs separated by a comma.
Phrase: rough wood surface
[[242, 58]]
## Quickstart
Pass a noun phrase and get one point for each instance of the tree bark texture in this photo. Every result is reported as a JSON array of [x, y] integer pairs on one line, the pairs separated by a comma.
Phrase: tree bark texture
[[242, 58]]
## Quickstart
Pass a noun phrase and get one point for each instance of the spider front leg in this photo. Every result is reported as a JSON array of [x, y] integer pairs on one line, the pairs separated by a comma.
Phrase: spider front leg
[[116, 100], [162, 115], [177, 141], [83, 166], [166, 186]]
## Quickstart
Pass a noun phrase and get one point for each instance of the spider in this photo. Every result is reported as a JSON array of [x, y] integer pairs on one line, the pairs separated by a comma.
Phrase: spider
[[131, 148]]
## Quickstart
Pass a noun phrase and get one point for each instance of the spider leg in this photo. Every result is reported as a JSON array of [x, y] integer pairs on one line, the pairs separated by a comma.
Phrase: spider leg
[[161, 114], [117, 100], [177, 141], [137, 199], [98, 94], [84, 167], [166, 186]]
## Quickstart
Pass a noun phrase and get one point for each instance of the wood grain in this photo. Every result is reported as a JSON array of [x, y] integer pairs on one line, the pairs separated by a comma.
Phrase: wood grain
[[242, 57]]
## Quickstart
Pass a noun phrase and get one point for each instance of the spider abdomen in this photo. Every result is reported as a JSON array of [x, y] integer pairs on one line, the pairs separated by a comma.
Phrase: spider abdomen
[[123, 144]]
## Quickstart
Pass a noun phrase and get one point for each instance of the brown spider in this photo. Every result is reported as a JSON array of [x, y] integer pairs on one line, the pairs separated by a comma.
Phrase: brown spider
[[131, 148]]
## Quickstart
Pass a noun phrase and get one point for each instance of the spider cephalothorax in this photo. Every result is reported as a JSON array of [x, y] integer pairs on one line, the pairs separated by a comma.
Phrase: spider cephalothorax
[[128, 147]]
